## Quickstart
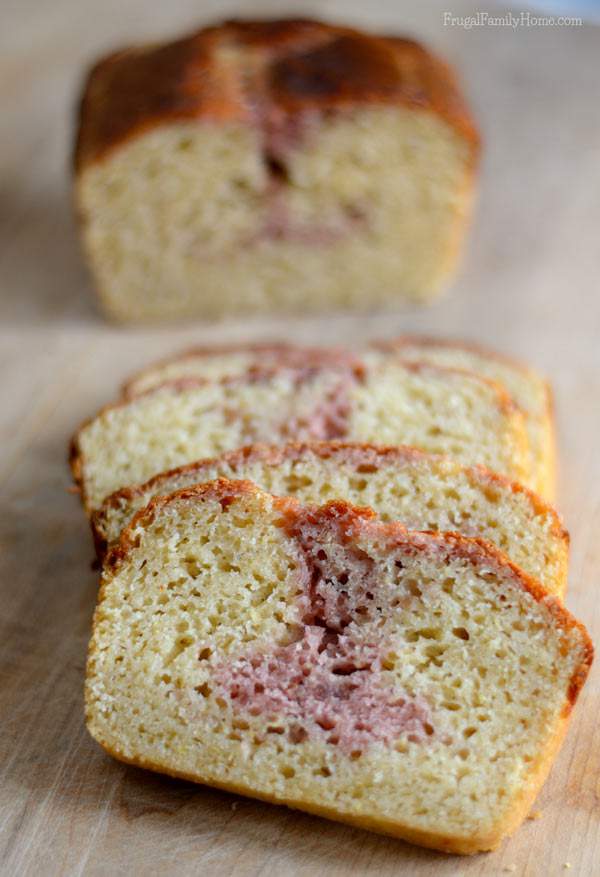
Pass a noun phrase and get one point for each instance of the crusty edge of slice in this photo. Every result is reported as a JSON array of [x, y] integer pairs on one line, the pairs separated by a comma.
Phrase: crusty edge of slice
[[276, 454], [225, 492]]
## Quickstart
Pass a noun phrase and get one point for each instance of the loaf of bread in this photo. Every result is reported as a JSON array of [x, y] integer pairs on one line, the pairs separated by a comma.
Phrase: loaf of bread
[[432, 408], [422, 491], [272, 166], [529, 390], [411, 683]]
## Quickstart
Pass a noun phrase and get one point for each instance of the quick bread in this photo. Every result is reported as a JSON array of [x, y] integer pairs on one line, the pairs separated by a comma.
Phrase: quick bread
[[528, 389], [422, 491], [410, 683], [223, 172], [526, 386], [435, 409]]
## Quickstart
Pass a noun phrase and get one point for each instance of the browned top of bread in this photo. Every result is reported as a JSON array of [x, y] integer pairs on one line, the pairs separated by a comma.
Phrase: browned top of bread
[[264, 73], [350, 521]]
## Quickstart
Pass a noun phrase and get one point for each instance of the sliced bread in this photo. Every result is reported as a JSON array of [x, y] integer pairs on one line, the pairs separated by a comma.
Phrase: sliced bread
[[422, 491], [438, 410], [529, 390], [410, 683]]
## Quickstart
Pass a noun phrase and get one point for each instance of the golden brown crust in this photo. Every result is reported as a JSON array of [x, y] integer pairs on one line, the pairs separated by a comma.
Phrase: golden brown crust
[[258, 72], [273, 455], [395, 535]]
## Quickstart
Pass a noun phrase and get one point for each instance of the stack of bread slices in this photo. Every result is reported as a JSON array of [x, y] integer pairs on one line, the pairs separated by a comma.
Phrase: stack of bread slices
[[334, 580]]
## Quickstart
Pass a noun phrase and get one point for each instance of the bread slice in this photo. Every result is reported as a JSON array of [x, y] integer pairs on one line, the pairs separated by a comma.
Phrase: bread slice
[[438, 410], [422, 491], [529, 390], [410, 683], [223, 172]]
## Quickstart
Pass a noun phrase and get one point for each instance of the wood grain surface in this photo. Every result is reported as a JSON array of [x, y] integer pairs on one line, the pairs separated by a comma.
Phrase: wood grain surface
[[529, 286]]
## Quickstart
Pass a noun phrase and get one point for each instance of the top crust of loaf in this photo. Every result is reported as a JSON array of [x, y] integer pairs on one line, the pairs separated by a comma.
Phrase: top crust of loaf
[[450, 545], [261, 73]]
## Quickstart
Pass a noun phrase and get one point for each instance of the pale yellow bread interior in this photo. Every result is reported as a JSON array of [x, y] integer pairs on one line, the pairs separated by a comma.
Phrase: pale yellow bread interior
[[422, 491], [410, 683], [185, 219], [529, 390], [437, 410]]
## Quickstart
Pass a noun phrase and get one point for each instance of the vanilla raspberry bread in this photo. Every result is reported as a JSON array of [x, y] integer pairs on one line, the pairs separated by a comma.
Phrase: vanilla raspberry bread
[[223, 172], [410, 683], [528, 389], [422, 491], [437, 410]]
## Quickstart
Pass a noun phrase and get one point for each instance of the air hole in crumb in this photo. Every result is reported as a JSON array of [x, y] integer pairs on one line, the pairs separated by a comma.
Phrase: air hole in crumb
[[413, 588], [287, 771], [297, 734], [366, 468], [192, 567], [461, 633], [389, 661], [205, 690], [204, 654]]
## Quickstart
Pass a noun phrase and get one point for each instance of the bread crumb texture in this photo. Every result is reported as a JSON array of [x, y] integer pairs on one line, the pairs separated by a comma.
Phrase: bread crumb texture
[[315, 656], [388, 402], [528, 389], [423, 491]]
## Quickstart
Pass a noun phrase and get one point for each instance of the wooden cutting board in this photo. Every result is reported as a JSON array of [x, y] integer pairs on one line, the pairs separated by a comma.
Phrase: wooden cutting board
[[530, 287]]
